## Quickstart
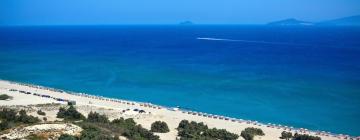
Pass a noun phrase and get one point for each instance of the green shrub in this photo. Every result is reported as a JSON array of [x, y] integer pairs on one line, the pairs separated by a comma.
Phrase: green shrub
[[286, 135], [137, 132], [5, 97], [70, 114], [61, 112], [96, 117], [250, 132], [67, 137], [24, 118], [160, 127], [192, 130], [6, 125], [96, 128], [36, 137], [9, 118], [94, 132], [40, 112], [134, 131], [8, 114], [125, 123], [221, 134], [305, 137]]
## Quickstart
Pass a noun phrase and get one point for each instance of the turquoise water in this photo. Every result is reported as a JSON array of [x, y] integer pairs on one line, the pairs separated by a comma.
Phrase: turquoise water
[[303, 77]]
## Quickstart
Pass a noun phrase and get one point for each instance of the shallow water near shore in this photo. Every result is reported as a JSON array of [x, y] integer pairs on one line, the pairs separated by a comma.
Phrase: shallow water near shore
[[304, 77]]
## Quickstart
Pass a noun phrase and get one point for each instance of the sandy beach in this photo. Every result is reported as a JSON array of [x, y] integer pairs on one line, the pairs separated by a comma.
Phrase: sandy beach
[[120, 108]]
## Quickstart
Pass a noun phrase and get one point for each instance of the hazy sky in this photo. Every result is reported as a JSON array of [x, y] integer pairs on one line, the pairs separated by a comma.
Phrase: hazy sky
[[50, 12]]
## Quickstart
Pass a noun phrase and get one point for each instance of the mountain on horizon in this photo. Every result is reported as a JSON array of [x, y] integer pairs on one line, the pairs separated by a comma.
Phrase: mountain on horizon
[[290, 22], [186, 23], [345, 21]]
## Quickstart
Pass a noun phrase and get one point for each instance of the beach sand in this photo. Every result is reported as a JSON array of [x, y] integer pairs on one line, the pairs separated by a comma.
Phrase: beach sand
[[115, 110]]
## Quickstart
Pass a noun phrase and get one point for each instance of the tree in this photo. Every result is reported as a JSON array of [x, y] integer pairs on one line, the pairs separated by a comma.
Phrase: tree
[[96, 117], [286, 135], [160, 127], [250, 132]]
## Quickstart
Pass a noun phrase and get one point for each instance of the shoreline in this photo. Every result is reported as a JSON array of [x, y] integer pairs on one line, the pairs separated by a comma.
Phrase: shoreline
[[159, 109]]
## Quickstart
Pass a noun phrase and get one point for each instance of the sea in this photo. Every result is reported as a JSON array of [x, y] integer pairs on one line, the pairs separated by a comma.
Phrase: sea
[[306, 77]]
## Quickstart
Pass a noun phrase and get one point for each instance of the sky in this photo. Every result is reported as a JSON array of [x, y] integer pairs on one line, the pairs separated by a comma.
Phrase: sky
[[104, 12]]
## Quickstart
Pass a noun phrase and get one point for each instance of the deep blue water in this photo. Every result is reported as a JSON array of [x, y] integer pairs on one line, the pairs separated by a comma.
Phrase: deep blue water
[[305, 77]]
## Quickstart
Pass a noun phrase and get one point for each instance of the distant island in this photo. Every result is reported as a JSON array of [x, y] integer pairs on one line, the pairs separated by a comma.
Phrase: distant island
[[290, 22], [186, 23], [346, 21]]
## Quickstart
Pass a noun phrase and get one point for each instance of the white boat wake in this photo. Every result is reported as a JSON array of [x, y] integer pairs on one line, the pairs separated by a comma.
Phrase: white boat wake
[[252, 41], [216, 39]]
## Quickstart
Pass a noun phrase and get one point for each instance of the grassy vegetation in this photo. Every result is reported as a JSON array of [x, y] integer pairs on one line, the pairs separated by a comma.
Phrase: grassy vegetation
[[36, 137], [98, 127], [250, 132], [111, 130], [5, 97], [199, 131], [160, 127]]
